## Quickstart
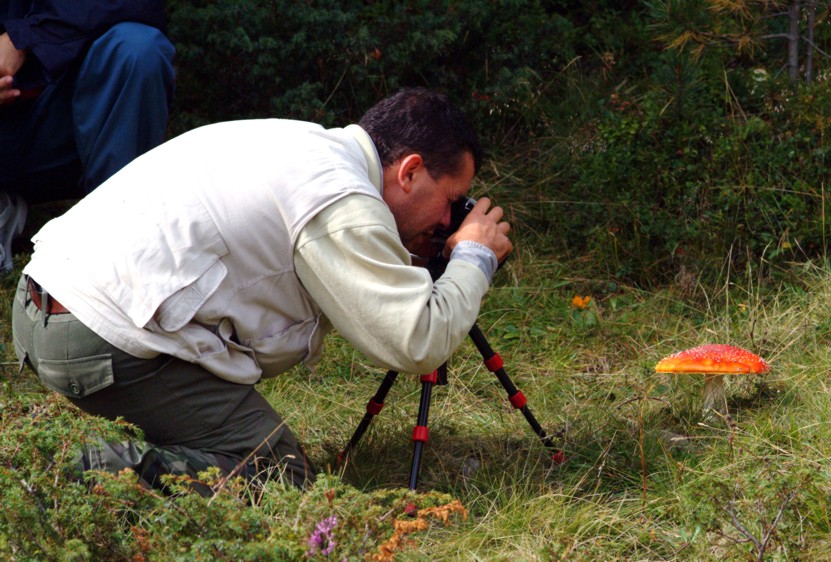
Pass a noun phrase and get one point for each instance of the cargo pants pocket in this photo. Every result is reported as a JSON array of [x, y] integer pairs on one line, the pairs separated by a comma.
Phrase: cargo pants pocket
[[76, 378]]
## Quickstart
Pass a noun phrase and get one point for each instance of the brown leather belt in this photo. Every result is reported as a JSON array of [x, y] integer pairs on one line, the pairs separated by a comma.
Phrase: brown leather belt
[[52, 306]]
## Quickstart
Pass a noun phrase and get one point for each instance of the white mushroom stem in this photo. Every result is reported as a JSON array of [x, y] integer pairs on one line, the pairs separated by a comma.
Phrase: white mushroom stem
[[714, 397]]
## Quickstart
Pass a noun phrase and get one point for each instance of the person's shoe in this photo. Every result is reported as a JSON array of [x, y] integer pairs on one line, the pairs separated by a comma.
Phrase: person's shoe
[[12, 220]]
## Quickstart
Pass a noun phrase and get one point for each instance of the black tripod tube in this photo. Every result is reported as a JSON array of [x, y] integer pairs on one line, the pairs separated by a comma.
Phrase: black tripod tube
[[494, 363], [373, 408], [420, 433]]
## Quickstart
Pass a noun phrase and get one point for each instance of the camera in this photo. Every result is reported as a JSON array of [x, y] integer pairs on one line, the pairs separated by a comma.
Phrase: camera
[[459, 210]]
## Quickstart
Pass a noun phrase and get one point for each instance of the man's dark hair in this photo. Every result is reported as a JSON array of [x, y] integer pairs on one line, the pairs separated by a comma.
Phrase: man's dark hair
[[419, 121]]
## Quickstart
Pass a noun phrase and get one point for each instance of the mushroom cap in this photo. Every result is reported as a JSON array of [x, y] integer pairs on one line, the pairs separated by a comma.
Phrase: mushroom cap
[[713, 359]]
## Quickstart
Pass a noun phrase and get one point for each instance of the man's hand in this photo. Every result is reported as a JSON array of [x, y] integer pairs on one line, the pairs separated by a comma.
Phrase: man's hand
[[484, 225], [11, 60]]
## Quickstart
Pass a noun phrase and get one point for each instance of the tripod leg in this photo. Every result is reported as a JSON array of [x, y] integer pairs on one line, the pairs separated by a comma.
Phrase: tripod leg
[[495, 365], [373, 408], [420, 433]]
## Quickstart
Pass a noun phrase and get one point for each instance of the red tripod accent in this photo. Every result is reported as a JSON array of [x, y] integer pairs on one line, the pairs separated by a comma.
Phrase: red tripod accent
[[494, 364]]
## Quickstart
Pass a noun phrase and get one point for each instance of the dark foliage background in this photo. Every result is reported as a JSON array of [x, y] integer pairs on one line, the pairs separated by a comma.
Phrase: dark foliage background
[[654, 138], [329, 61]]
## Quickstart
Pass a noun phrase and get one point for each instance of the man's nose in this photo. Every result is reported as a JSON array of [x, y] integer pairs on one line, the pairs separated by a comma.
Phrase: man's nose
[[445, 219]]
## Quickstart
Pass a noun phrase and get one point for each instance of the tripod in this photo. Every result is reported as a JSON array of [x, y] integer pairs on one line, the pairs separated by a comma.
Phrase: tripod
[[494, 364]]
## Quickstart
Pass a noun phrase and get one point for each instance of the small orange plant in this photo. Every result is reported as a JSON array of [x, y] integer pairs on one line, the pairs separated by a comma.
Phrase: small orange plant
[[403, 527], [580, 302]]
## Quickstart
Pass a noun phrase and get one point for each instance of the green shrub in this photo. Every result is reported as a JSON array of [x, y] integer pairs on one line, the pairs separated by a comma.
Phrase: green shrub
[[661, 180], [49, 513], [330, 61], [645, 161]]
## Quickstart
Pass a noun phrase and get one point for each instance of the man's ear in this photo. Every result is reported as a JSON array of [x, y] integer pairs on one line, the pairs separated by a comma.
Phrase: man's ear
[[410, 165]]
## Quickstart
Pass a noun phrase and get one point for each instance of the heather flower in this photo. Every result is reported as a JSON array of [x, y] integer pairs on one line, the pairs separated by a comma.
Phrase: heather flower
[[322, 541]]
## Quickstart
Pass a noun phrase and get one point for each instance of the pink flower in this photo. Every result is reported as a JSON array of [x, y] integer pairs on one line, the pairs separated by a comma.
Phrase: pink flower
[[321, 541]]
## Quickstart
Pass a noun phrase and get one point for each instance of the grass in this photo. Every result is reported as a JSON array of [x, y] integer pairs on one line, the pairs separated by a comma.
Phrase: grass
[[647, 477]]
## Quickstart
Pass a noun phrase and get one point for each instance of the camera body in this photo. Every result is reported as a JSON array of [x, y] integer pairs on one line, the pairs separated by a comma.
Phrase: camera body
[[459, 210]]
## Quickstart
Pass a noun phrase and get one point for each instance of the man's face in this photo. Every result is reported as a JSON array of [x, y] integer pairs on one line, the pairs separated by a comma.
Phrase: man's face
[[422, 204]]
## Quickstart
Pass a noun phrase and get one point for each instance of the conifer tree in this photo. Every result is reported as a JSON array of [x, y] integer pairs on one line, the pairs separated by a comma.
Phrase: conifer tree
[[784, 33]]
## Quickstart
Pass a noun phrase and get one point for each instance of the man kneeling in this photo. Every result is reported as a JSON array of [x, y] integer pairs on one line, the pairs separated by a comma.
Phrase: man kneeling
[[224, 255]]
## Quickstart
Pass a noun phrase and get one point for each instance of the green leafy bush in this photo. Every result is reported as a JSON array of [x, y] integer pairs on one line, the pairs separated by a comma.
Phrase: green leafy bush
[[693, 167], [330, 61], [645, 160], [51, 513]]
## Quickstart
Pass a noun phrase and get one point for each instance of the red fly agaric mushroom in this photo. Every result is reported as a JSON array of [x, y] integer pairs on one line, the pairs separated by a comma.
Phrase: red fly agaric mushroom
[[713, 361]]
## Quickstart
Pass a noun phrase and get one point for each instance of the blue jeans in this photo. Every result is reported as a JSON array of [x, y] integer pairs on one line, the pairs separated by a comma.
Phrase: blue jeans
[[89, 123]]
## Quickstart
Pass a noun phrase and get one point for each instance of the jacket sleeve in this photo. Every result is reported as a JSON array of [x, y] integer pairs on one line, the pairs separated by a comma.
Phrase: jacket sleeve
[[57, 33], [351, 261]]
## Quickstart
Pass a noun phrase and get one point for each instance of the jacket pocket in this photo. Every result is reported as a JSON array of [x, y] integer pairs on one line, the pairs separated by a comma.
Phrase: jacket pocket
[[178, 309], [76, 378], [280, 352]]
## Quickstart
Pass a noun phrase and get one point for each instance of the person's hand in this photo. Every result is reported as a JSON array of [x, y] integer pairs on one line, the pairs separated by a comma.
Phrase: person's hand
[[7, 91], [484, 225], [11, 60]]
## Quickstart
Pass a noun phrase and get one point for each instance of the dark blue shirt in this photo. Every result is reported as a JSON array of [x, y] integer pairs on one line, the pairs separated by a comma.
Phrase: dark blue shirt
[[57, 33]]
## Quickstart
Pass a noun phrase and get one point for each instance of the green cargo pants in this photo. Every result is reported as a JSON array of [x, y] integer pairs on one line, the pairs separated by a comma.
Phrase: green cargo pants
[[191, 419]]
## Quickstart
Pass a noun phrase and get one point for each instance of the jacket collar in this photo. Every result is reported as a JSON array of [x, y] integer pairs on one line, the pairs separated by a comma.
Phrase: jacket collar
[[373, 161]]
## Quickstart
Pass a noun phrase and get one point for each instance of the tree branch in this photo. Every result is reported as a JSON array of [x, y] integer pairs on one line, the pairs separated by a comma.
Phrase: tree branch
[[741, 528], [775, 523], [820, 51]]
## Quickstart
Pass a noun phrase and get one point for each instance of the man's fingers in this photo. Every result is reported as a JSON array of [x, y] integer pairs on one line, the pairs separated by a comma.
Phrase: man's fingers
[[496, 213], [8, 95], [484, 225], [483, 201], [7, 92], [11, 58], [483, 206]]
